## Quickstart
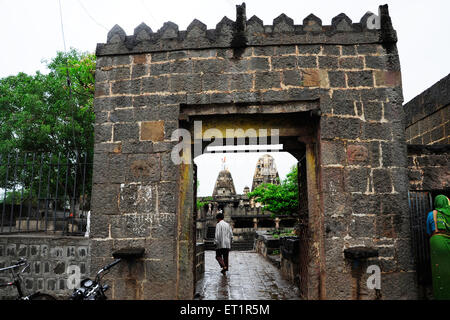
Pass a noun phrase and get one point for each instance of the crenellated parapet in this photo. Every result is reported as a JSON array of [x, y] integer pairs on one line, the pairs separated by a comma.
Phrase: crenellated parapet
[[371, 28]]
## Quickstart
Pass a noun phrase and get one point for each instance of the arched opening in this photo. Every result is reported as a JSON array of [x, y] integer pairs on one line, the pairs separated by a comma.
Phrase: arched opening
[[217, 127]]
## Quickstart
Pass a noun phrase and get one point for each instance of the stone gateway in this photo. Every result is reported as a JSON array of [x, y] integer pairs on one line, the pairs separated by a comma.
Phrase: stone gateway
[[334, 93]]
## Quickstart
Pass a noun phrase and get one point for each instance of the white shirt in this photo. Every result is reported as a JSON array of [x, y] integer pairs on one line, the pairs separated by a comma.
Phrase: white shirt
[[224, 235]]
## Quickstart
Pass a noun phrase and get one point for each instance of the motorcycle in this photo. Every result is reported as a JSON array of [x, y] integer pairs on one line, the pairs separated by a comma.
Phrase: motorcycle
[[93, 289]]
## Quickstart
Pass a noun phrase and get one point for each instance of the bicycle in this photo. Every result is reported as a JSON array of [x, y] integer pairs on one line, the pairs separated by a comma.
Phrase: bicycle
[[17, 282]]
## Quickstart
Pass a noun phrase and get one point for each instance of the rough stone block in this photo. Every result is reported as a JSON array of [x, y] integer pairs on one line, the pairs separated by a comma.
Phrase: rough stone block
[[99, 228], [152, 131], [376, 130], [284, 50], [111, 103], [307, 61], [365, 204], [184, 66], [345, 128], [337, 79], [284, 62], [155, 84], [331, 50], [311, 78], [348, 50], [139, 70], [364, 49], [131, 146], [157, 69], [388, 78], [361, 226], [241, 81], [332, 152], [142, 168], [105, 198], [260, 64], [209, 66], [344, 107], [169, 171], [267, 80], [171, 99], [328, 62], [102, 89], [360, 79], [333, 180], [375, 62], [187, 83], [358, 154], [167, 192], [126, 87], [215, 82], [103, 133], [126, 131], [373, 110], [382, 180], [351, 63], [309, 49], [357, 179], [292, 78]]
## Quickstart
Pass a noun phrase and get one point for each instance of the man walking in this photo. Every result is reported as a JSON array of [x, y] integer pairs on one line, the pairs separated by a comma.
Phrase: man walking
[[223, 240]]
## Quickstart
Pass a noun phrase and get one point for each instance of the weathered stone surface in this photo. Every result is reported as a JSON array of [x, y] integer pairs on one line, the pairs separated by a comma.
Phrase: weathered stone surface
[[360, 79], [143, 168], [357, 154], [126, 131], [152, 131], [144, 80]]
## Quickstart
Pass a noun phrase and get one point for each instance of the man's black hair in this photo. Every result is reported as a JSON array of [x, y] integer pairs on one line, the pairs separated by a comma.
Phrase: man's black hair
[[219, 216]]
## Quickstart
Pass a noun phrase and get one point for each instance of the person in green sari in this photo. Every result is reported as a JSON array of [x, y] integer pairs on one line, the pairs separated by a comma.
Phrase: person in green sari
[[438, 226]]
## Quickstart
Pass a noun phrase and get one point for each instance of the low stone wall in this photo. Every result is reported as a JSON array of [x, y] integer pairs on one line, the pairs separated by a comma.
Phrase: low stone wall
[[289, 262], [265, 244], [49, 259], [199, 261], [287, 258]]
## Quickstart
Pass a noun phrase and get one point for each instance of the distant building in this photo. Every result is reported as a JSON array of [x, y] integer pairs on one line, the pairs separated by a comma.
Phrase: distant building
[[224, 186], [265, 172], [245, 216]]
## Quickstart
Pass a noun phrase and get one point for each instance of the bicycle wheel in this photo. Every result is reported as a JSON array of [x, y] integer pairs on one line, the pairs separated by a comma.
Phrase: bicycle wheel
[[42, 296]]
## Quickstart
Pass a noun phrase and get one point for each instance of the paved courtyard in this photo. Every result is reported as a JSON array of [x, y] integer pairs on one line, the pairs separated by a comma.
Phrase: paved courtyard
[[251, 277]]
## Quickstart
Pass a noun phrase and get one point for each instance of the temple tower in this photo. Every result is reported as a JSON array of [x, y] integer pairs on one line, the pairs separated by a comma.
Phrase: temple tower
[[265, 171]]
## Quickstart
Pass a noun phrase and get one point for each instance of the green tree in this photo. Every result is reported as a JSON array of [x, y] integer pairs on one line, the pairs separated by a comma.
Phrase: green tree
[[281, 199], [50, 115], [42, 113]]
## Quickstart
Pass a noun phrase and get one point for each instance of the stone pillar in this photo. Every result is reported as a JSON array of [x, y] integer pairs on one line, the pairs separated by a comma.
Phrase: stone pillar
[[227, 211], [255, 223], [277, 223]]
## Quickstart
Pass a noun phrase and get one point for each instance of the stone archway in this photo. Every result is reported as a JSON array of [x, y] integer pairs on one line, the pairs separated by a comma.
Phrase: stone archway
[[348, 73], [297, 128]]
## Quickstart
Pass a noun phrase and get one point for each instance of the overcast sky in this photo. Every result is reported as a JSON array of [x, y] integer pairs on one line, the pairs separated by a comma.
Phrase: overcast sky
[[31, 32]]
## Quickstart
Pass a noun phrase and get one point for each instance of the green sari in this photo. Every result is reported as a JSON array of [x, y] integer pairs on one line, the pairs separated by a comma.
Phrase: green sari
[[440, 250]]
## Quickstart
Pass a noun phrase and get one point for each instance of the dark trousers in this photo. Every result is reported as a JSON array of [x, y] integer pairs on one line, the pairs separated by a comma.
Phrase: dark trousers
[[222, 257]]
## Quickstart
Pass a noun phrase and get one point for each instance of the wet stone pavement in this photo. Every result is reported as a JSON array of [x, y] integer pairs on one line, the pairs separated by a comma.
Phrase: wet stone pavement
[[251, 277]]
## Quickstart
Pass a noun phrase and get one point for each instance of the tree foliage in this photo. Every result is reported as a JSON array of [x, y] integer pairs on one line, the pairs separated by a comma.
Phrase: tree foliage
[[42, 113], [281, 199], [49, 116]]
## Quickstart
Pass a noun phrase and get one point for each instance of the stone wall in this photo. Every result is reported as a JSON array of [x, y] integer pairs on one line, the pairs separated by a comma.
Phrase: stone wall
[[428, 115], [49, 259], [199, 261], [429, 167], [357, 159]]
